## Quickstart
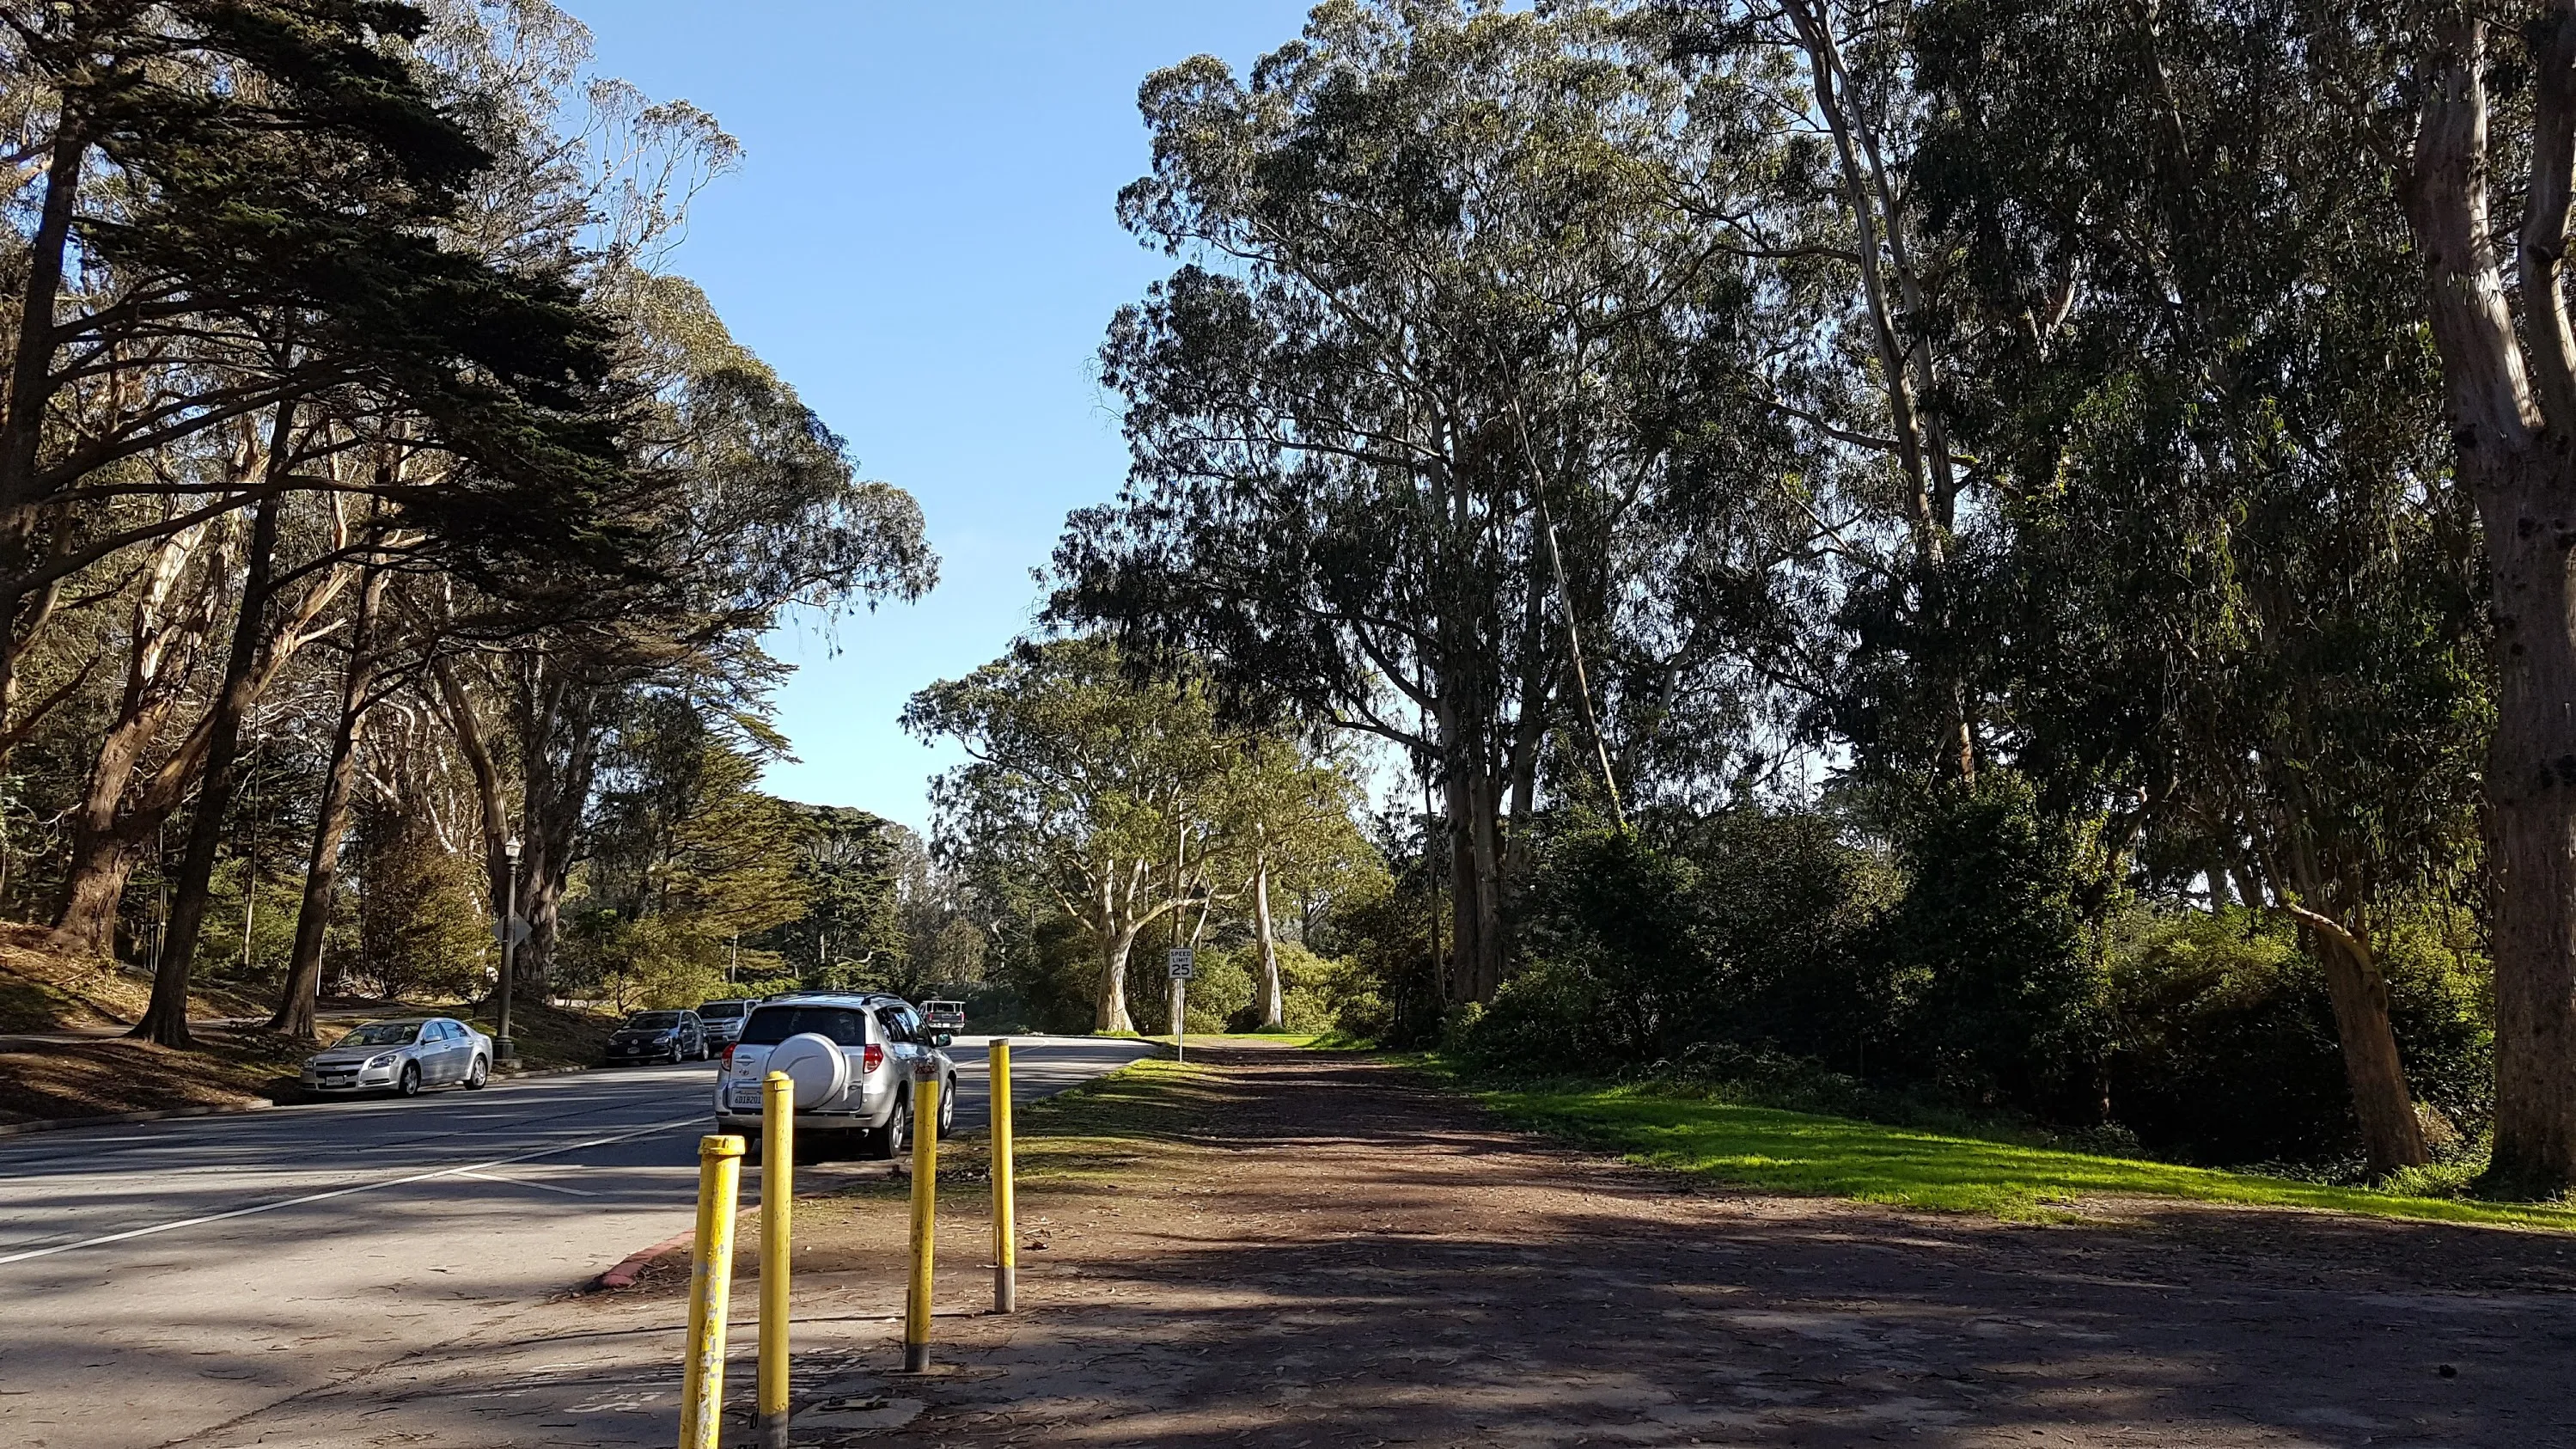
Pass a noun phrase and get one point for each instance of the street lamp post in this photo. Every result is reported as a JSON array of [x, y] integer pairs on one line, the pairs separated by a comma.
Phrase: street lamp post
[[503, 1050]]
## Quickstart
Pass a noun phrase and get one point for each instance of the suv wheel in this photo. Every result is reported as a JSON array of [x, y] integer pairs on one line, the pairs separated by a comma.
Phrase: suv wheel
[[894, 1139]]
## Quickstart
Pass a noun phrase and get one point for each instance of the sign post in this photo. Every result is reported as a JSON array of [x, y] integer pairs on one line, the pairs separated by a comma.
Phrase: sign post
[[1182, 961]]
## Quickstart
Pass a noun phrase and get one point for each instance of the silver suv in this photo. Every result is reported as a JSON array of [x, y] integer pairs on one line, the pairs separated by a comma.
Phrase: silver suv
[[878, 1039]]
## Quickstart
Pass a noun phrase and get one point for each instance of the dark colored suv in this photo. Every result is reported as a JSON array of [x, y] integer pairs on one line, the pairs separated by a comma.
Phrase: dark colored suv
[[658, 1036]]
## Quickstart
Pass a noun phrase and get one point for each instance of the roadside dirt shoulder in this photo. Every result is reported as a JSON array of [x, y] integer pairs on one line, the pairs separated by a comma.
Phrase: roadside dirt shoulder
[[1334, 1253]]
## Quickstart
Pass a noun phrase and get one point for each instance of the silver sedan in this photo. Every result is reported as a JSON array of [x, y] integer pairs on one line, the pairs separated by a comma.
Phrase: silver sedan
[[403, 1057]]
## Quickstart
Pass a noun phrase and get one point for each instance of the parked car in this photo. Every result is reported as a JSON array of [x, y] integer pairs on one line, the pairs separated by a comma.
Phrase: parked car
[[723, 1020], [659, 1036], [948, 1016], [852, 1057], [402, 1057]]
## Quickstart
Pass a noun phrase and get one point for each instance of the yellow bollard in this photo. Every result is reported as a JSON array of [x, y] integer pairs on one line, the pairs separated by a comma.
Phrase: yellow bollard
[[710, 1291], [777, 1199], [1006, 1269], [925, 1208]]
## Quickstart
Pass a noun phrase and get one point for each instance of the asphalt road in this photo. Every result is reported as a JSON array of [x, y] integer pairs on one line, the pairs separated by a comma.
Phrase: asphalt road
[[163, 1280]]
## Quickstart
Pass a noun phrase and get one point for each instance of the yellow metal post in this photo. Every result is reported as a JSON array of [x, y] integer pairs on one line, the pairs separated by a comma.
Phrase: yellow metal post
[[777, 1200], [925, 1208], [710, 1291], [1006, 1237]]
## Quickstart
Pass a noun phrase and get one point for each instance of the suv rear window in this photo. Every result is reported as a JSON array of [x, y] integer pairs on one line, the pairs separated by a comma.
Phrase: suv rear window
[[771, 1025]]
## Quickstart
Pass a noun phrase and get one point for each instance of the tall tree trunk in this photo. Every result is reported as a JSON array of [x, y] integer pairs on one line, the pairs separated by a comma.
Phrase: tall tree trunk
[[96, 890], [166, 1020], [1475, 894], [491, 806], [106, 837], [2531, 832], [1111, 1003], [1274, 1001], [2511, 399], [296, 1002], [31, 388], [2392, 1136], [1894, 296], [104, 847]]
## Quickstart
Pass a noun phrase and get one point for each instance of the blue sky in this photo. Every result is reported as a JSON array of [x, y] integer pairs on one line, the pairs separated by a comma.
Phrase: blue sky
[[922, 239]]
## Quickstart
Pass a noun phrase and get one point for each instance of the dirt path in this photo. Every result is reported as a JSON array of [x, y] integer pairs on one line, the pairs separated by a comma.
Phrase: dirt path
[[1337, 1256]]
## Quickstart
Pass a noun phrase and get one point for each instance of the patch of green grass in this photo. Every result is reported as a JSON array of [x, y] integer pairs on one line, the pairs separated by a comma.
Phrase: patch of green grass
[[1091, 1130], [1799, 1152]]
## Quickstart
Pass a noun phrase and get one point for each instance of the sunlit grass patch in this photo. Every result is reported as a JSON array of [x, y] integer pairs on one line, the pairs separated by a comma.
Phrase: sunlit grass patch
[[1798, 1152], [1109, 1124]]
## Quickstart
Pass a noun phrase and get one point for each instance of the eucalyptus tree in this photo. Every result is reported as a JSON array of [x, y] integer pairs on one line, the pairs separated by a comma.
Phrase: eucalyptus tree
[[2492, 96], [2232, 589], [1080, 781], [1449, 429], [1845, 222], [1290, 824]]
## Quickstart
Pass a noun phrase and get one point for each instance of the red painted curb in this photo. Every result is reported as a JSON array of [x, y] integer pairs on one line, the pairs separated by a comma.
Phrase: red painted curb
[[633, 1265]]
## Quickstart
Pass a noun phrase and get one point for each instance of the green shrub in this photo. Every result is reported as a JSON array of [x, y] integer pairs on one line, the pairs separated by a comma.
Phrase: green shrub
[[2227, 1051], [1742, 927], [2000, 999]]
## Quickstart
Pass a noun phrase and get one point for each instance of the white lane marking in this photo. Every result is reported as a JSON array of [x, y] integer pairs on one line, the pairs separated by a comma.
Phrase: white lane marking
[[523, 1182], [270, 1207]]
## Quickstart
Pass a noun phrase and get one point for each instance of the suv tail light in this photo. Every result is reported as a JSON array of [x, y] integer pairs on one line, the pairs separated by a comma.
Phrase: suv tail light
[[727, 1059], [872, 1058]]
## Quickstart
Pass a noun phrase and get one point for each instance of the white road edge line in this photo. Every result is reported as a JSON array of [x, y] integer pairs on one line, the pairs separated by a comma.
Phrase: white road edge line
[[270, 1207], [522, 1182]]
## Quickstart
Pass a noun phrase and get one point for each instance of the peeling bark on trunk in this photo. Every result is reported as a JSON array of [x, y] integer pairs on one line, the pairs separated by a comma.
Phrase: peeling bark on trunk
[[2511, 397], [1111, 1013], [1274, 1000], [2531, 831], [2392, 1136], [1475, 888]]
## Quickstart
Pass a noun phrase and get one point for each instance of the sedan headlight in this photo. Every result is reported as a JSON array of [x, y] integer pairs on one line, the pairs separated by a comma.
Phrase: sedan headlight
[[382, 1059]]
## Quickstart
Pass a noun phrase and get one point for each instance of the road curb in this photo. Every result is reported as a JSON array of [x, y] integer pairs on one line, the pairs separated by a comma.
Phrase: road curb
[[121, 1119], [632, 1266]]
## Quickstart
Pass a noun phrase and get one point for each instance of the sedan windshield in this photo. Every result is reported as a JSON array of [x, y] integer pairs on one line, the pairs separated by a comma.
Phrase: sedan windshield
[[653, 1021], [383, 1033]]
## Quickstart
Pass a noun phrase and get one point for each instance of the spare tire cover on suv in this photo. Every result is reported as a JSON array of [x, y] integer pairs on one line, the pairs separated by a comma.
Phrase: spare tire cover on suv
[[814, 1063]]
